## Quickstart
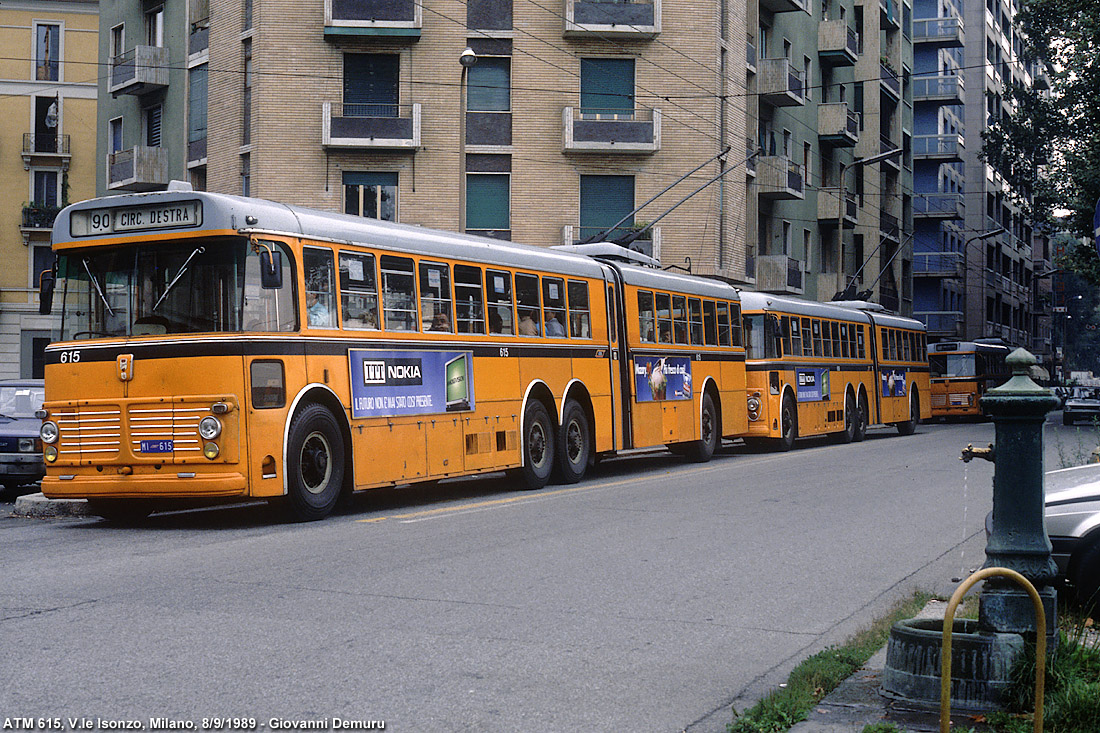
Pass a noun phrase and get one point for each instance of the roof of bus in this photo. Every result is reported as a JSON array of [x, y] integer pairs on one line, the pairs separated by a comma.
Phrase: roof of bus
[[222, 212], [647, 277], [755, 301], [961, 347]]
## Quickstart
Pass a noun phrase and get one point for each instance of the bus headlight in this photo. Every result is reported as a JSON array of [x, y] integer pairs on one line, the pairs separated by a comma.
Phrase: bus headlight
[[210, 428], [754, 407], [210, 450], [50, 453], [48, 432]]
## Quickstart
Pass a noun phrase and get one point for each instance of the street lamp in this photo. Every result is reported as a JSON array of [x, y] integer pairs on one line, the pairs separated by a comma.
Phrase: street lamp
[[858, 162], [466, 59]]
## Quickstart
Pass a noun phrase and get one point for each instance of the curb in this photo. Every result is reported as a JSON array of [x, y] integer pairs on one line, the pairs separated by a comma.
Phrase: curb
[[37, 505]]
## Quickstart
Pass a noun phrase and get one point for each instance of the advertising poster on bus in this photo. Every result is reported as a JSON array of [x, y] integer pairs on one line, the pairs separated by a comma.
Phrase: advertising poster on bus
[[658, 378], [392, 383], [813, 385], [893, 382]]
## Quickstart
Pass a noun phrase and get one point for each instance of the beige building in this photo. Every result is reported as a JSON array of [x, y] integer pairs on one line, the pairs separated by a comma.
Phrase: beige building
[[573, 114], [47, 137]]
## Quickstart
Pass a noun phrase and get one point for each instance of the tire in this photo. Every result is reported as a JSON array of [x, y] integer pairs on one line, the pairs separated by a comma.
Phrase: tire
[[851, 417], [123, 512], [788, 425], [315, 464], [1067, 419], [1086, 578], [574, 444], [909, 426], [538, 445], [701, 450], [863, 417]]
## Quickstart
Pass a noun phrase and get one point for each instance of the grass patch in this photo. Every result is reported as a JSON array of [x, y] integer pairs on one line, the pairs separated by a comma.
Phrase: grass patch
[[819, 675]]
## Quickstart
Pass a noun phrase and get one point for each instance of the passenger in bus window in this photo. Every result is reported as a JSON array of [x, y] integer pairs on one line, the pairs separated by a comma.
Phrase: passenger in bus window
[[554, 328], [440, 322], [527, 325], [317, 311]]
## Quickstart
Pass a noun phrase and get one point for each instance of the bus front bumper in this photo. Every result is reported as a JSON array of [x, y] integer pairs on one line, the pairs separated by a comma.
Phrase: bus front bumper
[[182, 485]]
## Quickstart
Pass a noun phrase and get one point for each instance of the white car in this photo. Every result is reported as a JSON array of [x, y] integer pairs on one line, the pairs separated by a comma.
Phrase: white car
[[1083, 404]]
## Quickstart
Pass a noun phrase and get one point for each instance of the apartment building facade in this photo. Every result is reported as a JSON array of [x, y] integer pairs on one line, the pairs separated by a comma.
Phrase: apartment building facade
[[566, 116], [48, 138]]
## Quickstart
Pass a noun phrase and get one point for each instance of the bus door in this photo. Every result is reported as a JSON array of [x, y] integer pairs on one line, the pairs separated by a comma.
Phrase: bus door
[[619, 362], [876, 377]]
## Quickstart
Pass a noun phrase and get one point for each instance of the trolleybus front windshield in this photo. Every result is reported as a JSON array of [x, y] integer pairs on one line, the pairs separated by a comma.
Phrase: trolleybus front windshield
[[952, 365], [212, 286]]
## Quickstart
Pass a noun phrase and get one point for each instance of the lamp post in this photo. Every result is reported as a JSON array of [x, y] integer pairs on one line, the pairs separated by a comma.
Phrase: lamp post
[[858, 162], [467, 59]]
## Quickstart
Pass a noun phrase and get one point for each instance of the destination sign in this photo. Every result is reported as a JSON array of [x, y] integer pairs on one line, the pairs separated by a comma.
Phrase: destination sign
[[135, 218]]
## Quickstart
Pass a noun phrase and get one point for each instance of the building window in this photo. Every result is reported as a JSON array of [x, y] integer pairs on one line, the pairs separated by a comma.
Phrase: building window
[[114, 135], [246, 110], [489, 85], [152, 125], [604, 201], [47, 52], [118, 41], [370, 84], [196, 112], [373, 195], [488, 202], [45, 188], [154, 27], [607, 88], [43, 260], [246, 175]]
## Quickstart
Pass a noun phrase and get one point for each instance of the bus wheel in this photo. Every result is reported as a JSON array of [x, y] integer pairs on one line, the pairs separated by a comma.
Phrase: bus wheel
[[851, 420], [701, 450], [910, 426], [861, 420], [315, 464], [123, 512], [538, 445], [788, 417], [575, 444]]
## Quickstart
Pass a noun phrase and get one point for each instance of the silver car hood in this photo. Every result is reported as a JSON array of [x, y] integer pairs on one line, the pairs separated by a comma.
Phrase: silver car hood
[[1073, 501]]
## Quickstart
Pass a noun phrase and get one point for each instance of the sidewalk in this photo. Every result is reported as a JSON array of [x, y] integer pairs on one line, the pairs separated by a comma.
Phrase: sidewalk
[[37, 505]]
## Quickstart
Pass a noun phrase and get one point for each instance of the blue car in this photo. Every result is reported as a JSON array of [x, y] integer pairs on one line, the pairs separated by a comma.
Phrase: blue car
[[20, 447]]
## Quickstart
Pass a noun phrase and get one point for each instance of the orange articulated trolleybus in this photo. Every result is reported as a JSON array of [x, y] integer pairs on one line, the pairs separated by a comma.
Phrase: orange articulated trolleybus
[[216, 347], [827, 368]]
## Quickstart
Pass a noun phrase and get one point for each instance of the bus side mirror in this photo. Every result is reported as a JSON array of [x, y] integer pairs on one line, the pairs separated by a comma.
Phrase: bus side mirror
[[271, 269], [45, 292]]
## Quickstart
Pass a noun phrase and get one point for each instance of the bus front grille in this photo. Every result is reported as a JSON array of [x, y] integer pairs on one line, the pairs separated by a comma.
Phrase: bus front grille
[[89, 432], [177, 422]]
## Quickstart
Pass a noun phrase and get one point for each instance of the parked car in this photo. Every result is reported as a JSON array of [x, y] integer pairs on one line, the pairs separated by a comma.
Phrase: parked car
[[1083, 404], [1073, 525], [20, 447]]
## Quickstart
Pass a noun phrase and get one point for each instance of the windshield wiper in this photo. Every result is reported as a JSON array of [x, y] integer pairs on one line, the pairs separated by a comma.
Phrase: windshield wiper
[[95, 282], [183, 269]]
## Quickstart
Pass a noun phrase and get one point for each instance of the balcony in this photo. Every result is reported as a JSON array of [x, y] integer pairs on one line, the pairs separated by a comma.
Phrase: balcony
[[623, 19], [783, 6], [779, 274], [942, 148], [938, 264], [611, 131], [38, 218], [837, 125], [944, 89], [938, 206], [780, 84], [890, 84], [885, 145], [941, 323], [828, 208], [648, 244], [141, 70], [750, 57], [889, 10], [750, 158], [888, 227], [371, 126], [47, 150], [198, 40], [368, 19], [779, 178], [141, 168], [939, 32], [837, 43]]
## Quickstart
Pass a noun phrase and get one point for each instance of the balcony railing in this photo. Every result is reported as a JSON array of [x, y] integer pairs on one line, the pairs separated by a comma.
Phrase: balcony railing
[[940, 32], [779, 274], [947, 147], [750, 57], [946, 89], [828, 207], [619, 19], [837, 124], [941, 323], [750, 159], [611, 131], [377, 126], [938, 206], [141, 168], [837, 43], [885, 146], [49, 149], [889, 10], [780, 83], [890, 83], [141, 70], [938, 264], [39, 216], [888, 226], [378, 18], [778, 177], [199, 38]]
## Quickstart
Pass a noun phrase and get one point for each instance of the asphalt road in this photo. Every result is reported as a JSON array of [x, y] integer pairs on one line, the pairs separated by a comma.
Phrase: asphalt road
[[650, 597]]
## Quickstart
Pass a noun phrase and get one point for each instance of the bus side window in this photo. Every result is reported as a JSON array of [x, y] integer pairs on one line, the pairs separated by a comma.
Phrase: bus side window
[[435, 297], [469, 300], [710, 323], [836, 338], [398, 293], [613, 322], [358, 291], [735, 324], [807, 338], [845, 351], [553, 306], [852, 340], [826, 339], [663, 303], [785, 330], [695, 320], [646, 330], [579, 312], [679, 319], [818, 350], [723, 323], [500, 302], [860, 343], [527, 304], [320, 287]]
